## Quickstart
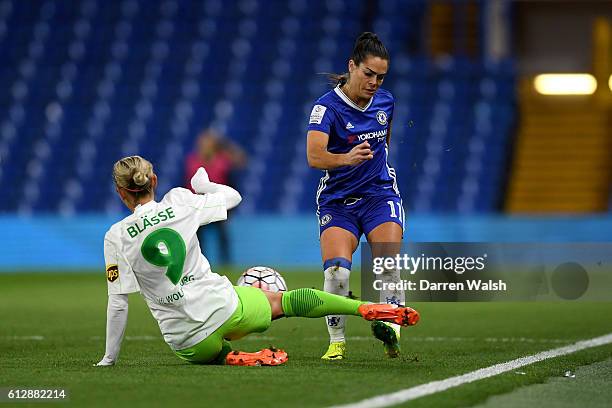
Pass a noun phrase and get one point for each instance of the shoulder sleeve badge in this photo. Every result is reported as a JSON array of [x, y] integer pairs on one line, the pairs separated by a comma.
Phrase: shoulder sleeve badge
[[316, 116], [112, 273]]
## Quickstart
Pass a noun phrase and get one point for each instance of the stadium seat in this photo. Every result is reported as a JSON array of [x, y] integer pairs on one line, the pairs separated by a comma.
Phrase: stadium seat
[[96, 80]]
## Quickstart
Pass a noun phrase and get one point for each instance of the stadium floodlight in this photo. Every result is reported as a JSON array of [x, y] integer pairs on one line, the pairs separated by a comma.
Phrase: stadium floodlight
[[565, 84]]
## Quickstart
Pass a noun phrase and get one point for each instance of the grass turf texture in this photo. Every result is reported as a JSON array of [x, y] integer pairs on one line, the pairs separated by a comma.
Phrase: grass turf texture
[[69, 311], [562, 392]]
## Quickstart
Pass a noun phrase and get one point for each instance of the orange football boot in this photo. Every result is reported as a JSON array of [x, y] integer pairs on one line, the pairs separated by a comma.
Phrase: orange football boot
[[265, 357], [404, 316]]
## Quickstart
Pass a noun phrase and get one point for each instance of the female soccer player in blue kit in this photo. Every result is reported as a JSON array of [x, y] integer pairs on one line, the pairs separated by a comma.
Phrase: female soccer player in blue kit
[[348, 137]]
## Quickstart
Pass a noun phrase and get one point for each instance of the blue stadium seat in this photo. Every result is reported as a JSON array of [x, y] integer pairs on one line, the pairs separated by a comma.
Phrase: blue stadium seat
[[96, 80]]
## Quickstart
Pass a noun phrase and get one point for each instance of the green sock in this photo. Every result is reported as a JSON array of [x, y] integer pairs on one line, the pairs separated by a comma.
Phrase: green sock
[[316, 303]]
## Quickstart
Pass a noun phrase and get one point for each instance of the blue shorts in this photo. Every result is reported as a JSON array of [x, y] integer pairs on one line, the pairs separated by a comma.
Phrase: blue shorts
[[360, 215]]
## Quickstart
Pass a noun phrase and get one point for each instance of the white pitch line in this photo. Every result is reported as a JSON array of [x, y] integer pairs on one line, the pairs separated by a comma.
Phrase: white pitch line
[[423, 390], [132, 338], [143, 338], [38, 338], [458, 339], [363, 338]]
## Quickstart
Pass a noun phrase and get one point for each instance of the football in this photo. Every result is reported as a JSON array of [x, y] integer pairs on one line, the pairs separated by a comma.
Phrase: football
[[264, 278]]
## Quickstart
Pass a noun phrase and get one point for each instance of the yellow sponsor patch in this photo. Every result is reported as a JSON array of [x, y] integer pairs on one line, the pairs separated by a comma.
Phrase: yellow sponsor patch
[[112, 273]]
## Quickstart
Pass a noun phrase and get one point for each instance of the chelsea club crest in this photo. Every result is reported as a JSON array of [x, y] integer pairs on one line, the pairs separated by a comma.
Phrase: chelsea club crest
[[325, 219], [381, 117]]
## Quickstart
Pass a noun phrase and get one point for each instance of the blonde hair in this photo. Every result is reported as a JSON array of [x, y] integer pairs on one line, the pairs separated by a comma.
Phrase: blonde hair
[[134, 174]]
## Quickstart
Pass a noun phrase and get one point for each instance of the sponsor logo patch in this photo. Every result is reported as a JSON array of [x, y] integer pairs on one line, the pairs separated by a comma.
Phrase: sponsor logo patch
[[325, 219], [316, 116], [380, 134], [112, 273], [381, 117], [349, 125]]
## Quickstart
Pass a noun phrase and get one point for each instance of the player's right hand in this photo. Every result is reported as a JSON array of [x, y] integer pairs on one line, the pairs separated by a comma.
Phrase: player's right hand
[[201, 175], [359, 154], [200, 182]]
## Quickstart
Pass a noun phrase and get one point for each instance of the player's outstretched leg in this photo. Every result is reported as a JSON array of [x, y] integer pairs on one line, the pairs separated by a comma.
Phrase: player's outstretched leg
[[316, 303]]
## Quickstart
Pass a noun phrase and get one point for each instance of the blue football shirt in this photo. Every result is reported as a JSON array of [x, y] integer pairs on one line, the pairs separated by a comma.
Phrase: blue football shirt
[[348, 125]]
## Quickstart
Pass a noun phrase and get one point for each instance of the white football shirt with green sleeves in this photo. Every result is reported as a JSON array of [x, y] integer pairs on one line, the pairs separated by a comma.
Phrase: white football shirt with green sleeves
[[156, 249]]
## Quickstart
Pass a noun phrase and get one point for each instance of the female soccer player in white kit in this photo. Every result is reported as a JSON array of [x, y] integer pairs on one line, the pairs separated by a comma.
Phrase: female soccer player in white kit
[[155, 251]]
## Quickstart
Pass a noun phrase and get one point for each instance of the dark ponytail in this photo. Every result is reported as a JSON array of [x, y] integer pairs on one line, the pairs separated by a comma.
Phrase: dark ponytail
[[367, 44]]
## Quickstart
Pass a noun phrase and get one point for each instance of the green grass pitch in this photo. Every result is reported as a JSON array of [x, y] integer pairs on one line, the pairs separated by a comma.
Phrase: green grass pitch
[[52, 331]]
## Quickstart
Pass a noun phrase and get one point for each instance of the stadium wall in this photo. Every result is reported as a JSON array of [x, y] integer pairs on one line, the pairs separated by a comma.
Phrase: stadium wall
[[53, 243]]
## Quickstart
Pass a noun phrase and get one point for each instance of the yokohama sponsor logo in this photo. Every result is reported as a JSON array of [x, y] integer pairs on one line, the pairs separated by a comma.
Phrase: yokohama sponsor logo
[[370, 135]]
